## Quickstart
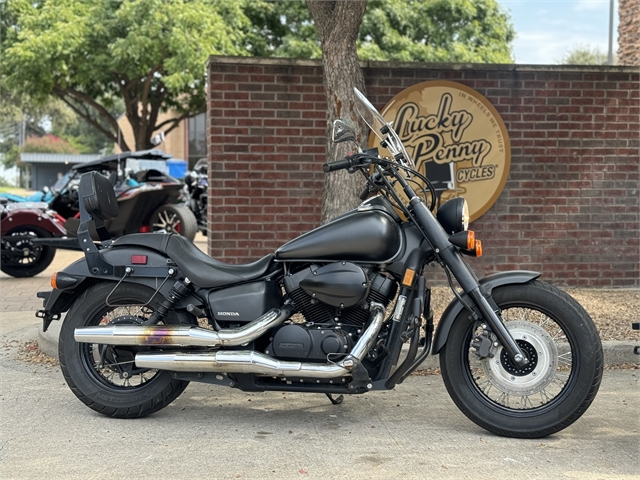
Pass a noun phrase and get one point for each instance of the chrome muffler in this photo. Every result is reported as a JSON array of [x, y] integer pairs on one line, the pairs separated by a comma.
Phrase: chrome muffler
[[182, 335], [248, 361]]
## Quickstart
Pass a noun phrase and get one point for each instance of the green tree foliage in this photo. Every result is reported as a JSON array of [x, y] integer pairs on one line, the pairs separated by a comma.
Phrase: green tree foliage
[[150, 55], [585, 55], [403, 30], [89, 53], [436, 31]]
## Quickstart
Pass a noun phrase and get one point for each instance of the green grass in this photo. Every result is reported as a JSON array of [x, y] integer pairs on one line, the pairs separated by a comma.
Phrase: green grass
[[16, 191]]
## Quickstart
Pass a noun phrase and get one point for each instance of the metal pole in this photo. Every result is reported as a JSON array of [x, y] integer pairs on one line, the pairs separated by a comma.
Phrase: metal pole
[[610, 56]]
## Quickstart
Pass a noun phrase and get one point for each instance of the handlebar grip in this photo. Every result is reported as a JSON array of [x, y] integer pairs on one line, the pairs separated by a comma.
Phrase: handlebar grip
[[346, 162]]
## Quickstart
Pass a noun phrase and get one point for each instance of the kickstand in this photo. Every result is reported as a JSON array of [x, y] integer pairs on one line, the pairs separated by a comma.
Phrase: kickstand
[[335, 401]]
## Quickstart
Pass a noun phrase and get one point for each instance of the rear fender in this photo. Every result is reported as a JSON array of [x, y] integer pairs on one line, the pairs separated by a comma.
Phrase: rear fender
[[35, 217], [487, 285], [58, 301]]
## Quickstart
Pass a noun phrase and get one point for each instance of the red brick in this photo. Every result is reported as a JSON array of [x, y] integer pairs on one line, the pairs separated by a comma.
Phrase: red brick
[[558, 149]]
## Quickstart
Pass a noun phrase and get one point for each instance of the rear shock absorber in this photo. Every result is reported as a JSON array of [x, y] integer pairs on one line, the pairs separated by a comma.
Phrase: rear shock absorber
[[179, 291]]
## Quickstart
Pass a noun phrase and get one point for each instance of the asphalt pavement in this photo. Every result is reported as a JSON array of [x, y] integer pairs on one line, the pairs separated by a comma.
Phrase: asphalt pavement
[[414, 431]]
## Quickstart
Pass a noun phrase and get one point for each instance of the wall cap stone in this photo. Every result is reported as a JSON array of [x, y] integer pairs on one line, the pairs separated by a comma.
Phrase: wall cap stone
[[219, 59]]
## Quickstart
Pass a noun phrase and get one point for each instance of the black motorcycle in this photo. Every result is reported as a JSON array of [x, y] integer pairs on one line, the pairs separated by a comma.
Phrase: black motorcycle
[[147, 314], [195, 190]]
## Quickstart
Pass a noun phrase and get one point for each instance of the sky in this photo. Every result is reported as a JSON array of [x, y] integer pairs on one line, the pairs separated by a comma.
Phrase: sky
[[548, 29]]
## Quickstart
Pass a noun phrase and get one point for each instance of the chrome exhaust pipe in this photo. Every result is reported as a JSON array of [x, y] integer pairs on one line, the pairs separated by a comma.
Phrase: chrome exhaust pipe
[[182, 335], [248, 361]]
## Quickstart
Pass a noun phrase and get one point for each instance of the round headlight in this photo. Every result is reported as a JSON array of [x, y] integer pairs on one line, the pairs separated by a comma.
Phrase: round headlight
[[465, 215], [453, 215]]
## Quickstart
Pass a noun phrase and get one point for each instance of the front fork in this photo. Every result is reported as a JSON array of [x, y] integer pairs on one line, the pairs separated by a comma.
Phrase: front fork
[[452, 258]]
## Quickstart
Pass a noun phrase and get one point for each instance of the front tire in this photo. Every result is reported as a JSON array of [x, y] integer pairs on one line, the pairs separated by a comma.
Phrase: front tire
[[104, 377], [550, 393]]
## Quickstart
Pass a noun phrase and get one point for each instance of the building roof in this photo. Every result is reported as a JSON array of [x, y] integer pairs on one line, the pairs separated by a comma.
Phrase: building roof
[[58, 158]]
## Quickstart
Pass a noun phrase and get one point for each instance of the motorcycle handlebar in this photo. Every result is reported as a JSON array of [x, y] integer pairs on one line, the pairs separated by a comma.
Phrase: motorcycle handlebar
[[346, 162]]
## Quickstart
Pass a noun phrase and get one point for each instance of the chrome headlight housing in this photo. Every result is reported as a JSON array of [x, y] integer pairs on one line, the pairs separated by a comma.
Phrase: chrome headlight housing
[[453, 215]]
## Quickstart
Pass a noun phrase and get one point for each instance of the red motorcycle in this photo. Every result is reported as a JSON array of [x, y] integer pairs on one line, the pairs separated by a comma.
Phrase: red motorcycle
[[23, 225]]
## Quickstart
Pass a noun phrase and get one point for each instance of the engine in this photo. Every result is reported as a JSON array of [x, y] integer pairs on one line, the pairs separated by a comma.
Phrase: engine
[[334, 300]]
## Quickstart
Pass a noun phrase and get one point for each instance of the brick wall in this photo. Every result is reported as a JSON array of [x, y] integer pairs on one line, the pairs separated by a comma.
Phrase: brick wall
[[569, 209]]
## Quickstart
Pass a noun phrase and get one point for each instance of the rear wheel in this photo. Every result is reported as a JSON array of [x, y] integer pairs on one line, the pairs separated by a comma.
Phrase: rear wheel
[[548, 394], [22, 258], [105, 377], [175, 219]]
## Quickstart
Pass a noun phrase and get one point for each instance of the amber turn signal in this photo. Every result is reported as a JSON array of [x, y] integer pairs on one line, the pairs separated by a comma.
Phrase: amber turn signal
[[478, 248], [62, 281], [465, 240], [471, 239]]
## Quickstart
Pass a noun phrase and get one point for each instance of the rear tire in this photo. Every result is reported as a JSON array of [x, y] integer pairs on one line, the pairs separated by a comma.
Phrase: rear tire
[[175, 219], [104, 377], [557, 386], [36, 258]]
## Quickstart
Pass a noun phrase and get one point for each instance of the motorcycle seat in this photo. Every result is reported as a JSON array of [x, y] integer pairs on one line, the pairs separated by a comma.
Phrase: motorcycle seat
[[200, 268]]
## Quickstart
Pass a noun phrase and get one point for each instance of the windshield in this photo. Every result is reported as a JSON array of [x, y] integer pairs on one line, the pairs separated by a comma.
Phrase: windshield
[[61, 182], [139, 164], [382, 129]]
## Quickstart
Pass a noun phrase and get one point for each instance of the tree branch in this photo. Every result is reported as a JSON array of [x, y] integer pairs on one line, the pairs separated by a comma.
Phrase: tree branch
[[84, 98], [174, 122], [61, 94]]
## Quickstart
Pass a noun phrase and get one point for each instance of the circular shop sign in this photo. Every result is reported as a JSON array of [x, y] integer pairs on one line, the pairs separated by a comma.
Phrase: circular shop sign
[[456, 139]]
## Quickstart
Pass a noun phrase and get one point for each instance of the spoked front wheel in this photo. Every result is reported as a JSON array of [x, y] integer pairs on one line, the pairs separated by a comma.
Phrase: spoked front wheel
[[556, 386]]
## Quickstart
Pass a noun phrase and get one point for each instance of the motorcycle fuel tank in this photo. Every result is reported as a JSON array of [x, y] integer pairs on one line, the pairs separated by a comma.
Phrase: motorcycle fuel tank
[[370, 236]]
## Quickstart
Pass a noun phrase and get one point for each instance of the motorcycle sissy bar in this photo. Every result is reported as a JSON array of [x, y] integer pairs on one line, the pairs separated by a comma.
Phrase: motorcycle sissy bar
[[97, 204]]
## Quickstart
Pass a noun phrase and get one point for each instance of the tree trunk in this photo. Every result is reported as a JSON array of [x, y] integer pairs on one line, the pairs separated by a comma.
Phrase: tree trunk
[[338, 23]]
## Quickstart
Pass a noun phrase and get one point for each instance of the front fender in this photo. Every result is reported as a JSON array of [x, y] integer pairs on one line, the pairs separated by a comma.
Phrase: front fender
[[487, 283]]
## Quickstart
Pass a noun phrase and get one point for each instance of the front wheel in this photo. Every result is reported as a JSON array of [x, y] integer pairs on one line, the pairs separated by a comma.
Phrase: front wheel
[[547, 395], [105, 377]]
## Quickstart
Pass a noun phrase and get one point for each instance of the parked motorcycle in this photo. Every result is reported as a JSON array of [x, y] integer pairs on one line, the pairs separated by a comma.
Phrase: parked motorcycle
[[518, 356], [195, 185], [21, 226]]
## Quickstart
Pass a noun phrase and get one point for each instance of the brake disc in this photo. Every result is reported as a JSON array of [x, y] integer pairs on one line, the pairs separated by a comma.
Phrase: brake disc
[[538, 347]]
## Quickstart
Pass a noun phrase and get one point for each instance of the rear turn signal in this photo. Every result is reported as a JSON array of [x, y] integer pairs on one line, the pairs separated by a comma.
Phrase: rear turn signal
[[62, 281]]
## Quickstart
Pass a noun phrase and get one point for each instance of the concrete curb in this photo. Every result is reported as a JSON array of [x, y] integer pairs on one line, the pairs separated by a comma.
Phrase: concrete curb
[[615, 352]]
